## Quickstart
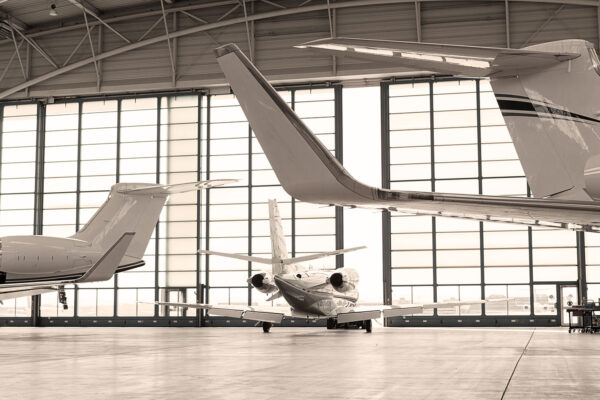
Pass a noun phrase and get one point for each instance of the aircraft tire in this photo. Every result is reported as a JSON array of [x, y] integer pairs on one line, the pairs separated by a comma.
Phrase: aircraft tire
[[266, 326], [331, 323]]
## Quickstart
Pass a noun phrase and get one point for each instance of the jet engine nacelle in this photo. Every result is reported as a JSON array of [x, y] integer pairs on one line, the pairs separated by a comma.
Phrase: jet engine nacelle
[[591, 177], [263, 282], [344, 280]]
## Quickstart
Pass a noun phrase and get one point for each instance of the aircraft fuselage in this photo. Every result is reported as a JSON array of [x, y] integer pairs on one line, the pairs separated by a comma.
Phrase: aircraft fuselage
[[310, 293], [34, 258]]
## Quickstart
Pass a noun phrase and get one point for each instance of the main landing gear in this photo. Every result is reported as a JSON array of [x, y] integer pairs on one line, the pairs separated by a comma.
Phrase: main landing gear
[[62, 297], [366, 325], [266, 326]]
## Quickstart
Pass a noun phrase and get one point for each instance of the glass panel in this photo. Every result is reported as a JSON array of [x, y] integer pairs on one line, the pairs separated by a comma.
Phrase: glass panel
[[544, 299]]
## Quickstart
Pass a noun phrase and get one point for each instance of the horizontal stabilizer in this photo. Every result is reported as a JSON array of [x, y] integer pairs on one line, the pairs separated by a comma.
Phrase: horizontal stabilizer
[[261, 260], [316, 256], [285, 261], [176, 188], [471, 61], [107, 265]]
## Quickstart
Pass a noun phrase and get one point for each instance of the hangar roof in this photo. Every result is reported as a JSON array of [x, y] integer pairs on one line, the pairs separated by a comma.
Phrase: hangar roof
[[117, 46]]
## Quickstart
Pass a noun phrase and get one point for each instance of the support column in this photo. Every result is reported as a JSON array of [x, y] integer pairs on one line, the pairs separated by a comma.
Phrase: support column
[[38, 213], [339, 154], [157, 229], [581, 268], [199, 288], [386, 234]]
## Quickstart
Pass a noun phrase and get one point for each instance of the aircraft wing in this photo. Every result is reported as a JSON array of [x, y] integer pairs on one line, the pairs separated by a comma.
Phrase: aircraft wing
[[102, 270], [361, 313], [22, 292], [253, 313], [308, 171], [470, 61]]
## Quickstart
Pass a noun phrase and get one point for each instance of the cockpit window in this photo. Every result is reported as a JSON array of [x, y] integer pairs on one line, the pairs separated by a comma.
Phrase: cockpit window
[[595, 59]]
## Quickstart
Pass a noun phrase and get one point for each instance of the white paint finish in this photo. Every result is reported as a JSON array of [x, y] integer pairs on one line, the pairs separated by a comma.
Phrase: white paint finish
[[302, 363], [116, 236]]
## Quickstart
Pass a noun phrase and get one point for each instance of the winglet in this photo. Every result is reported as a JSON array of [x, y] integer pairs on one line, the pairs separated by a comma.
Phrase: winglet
[[106, 266], [305, 167]]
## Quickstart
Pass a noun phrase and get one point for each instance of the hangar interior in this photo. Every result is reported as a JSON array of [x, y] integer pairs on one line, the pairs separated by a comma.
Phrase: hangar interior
[[98, 92]]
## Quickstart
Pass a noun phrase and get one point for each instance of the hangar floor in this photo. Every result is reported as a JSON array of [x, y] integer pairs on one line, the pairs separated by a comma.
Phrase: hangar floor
[[298, 363]]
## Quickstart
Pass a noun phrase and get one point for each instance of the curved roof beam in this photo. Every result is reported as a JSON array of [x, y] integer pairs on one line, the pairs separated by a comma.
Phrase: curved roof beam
[[303, 7], [229, 22], [89, 9]]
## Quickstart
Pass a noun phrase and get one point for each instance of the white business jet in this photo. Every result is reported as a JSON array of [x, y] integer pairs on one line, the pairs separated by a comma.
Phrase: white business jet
[[329, 294], [113, 240], [547, 94]]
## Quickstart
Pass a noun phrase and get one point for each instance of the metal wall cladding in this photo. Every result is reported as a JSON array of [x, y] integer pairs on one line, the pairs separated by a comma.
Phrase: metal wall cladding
[[148, 68]]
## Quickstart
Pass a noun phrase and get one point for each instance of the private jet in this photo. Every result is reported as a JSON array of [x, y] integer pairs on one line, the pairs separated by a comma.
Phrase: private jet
[[545, 93], [113, 240], [330, 294]]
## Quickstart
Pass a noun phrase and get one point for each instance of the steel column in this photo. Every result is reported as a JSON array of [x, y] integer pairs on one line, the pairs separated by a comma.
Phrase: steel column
[[581, 268], [38, 211], [199, 295], [386, 234], [339, 154]]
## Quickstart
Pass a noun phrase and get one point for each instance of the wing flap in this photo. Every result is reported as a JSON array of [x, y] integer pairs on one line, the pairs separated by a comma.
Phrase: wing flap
[[354, 316], [225, 312], [262, 316], [400, 311]]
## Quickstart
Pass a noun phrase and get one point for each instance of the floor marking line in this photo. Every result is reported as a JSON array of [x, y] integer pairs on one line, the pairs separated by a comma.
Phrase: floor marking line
[[517, 364]]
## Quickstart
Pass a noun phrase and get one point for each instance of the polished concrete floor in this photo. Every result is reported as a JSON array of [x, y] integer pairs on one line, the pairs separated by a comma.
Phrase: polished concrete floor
[[297, 363]]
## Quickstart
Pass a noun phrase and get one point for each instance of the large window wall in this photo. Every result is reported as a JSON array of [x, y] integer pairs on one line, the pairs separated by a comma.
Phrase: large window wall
[[62, 159], [18, 156], [58, 161], [449, 136], [236, 217]]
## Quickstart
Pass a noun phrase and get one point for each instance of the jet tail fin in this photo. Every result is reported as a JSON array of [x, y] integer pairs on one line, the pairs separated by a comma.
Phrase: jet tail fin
[[303, 165], [278, 246], [133, 207]]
